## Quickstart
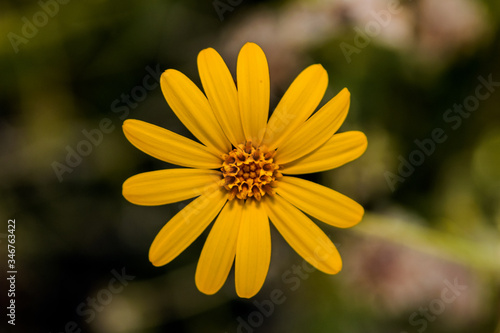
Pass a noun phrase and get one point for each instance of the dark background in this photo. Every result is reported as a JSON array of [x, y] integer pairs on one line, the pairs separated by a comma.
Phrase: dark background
[[66, 69]]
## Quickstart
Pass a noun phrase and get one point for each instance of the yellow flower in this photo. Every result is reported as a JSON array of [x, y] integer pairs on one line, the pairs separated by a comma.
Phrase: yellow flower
[[240, 173]]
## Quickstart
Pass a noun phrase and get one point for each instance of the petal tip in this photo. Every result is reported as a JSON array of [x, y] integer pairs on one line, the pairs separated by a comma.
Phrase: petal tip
[[207, 291], [251, 45], [155, 262], [128, 123], [168, 74], [345, 91], [245, 293], [203, 288], [364, 138], [209, 51], [321, 73], [334, 266], [318, 67], [155, 257]]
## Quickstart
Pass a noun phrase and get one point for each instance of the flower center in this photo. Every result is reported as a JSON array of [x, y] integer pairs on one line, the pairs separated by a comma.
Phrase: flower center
[[250, 172]]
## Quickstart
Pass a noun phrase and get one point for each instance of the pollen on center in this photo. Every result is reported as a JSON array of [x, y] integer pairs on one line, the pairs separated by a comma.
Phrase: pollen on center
[[250, 172]]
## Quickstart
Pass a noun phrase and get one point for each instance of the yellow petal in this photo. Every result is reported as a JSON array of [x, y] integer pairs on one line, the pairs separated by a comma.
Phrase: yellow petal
[[320, 202], [316, 130], [253, 91], [169, 146], [193, 109], [221, 93], [299, 102], [219, 250], [166, 186], [303, 235], [186, 226], [253, 251], [338, 150]]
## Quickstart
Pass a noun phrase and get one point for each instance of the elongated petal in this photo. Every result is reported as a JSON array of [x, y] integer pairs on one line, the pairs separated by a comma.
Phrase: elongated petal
[[253, 251], [316, 130], [186, 226], [169, 146], [219, 250], [321, 202], [193, 109], [253, 91], [338, 150], [303, 235], [299, 102], [221, 93], [166, 186]]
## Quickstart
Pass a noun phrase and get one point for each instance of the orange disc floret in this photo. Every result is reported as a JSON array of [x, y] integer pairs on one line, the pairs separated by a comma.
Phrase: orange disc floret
[[250, 172]]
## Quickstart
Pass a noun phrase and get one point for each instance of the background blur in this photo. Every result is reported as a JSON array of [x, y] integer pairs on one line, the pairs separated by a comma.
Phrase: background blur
[[424, 78]]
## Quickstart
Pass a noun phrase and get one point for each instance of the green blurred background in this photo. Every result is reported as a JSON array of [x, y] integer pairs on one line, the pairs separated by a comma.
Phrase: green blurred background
[[426, 257]]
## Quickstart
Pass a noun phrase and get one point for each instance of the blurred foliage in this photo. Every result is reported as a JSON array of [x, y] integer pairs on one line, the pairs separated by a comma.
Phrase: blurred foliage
[[441, 223]]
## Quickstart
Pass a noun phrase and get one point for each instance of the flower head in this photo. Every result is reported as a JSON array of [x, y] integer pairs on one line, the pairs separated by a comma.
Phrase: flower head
[[242, 171]]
